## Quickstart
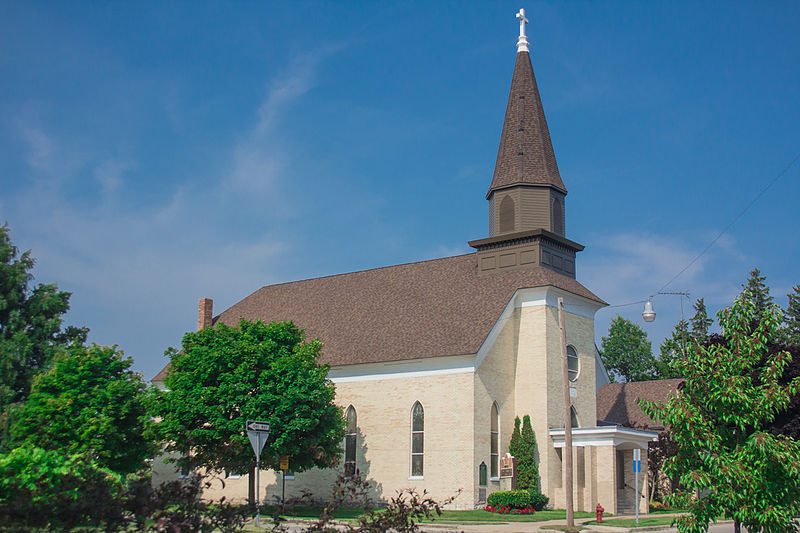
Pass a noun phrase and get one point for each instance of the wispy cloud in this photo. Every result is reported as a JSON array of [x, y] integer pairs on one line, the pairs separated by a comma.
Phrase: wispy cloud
[[260, 158], [628, 268], [136, 270]]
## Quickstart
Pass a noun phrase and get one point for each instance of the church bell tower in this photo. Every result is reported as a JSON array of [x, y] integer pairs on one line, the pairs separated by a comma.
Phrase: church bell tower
[[527, 220]]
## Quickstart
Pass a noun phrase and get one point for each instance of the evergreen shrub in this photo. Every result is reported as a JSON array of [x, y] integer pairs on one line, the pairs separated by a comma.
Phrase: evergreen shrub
[[538, 500], [517, 499]]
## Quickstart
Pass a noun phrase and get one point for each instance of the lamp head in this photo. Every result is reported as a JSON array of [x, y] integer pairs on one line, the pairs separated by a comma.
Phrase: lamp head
[[648, 314]]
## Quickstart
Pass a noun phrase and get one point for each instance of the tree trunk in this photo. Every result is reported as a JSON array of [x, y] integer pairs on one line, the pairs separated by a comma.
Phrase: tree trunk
[[737, 526]]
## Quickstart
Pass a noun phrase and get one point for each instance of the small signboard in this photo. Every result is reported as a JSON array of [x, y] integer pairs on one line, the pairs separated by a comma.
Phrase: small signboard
[[507, 466], [284, 462], [637, 460]]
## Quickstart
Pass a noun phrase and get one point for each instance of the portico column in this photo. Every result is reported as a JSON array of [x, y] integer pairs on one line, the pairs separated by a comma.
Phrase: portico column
[[607, 478]]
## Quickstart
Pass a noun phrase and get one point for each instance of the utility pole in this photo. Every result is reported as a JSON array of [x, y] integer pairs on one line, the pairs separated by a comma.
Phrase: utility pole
[[567, 418]]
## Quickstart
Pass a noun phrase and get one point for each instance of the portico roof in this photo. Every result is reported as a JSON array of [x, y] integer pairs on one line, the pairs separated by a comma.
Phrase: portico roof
[[616, 436]]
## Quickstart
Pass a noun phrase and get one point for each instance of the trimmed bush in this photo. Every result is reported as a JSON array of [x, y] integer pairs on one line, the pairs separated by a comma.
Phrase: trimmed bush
[[517, 499], [539, 501], [43, 489]]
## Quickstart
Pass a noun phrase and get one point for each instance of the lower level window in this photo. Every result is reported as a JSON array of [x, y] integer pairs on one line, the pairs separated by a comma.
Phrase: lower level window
[[417, 439]]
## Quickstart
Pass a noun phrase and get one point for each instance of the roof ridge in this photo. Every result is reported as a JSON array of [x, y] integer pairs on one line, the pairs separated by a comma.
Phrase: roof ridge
[[386, 267]]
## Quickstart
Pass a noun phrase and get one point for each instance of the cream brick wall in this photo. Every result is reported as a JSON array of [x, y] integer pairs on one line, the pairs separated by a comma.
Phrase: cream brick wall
[[383, 409], [495, 382], [580, 335]]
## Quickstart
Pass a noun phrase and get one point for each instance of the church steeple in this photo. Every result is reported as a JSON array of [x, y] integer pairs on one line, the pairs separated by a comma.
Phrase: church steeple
[[525, 159], [527, 223]]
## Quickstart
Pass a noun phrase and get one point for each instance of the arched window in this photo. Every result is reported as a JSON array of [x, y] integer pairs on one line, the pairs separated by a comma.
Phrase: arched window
[[573, 415], [558, 216], [350, 443], [494, 437], [573, 363], [507, 215], [417, 439]]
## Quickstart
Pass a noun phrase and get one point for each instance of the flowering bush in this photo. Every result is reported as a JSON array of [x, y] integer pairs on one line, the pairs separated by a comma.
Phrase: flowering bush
[[504, 509], [659, 506]]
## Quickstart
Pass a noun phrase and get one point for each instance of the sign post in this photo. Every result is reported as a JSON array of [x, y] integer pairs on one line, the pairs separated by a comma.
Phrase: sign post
[[258, 433], [637, 467], [284, 468]]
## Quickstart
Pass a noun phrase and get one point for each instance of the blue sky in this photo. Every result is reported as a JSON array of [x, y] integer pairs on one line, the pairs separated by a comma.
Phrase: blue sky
[[154, 153]]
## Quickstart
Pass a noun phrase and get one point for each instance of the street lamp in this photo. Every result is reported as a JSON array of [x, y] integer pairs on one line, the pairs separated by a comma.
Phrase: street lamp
[[648, 314]]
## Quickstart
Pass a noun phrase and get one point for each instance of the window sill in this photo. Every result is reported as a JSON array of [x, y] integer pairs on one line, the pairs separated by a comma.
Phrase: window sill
[[416, 477], [494, 479]]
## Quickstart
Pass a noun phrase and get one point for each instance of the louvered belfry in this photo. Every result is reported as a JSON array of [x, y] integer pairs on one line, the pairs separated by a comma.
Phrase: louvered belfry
[[527, 215]]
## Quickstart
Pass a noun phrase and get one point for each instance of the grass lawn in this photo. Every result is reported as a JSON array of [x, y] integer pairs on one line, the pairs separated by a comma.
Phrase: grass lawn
[[631, 522], [477, 515]]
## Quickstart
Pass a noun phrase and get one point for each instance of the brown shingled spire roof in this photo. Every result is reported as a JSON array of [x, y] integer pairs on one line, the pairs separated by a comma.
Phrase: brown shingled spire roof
[[526, 153]]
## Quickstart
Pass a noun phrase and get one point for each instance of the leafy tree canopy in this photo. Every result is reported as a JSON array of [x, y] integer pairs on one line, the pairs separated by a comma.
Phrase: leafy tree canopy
[[225, 376], [30, 322], [720, 422], [626, 352], [44, 490], [89, 402]]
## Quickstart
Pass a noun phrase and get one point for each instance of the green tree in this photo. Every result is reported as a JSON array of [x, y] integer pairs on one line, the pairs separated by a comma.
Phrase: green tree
[[727, 461], [515, 446], [44, 490], [790, 333], [225, 376], [700, 322], [30, 322], [756, 290], [672, 350], [527, 470], [89, 402], [626, 353], [695, 331]]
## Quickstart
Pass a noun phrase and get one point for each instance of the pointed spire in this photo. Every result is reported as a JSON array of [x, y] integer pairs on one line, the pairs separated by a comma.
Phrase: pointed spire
[[526, 154]]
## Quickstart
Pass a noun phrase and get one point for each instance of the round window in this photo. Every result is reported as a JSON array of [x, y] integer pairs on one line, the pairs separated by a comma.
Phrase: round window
[[573, 363]]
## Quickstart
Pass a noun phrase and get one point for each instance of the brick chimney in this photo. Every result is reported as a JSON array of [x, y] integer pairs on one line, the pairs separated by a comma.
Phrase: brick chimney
[[205, 313]]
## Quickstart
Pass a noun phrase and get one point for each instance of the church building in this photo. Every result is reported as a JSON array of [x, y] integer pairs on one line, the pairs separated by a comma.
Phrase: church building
[[433, 360]]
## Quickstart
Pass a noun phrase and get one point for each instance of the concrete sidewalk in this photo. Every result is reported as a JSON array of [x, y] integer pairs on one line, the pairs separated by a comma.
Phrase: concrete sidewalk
[[535, 527]]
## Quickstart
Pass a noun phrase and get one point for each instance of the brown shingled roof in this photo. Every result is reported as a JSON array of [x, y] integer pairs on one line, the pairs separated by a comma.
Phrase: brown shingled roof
[[526, 154], [618, 402], [409, 311]]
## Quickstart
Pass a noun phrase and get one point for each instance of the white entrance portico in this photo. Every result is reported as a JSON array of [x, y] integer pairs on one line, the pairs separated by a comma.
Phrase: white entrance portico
[[603, 468]]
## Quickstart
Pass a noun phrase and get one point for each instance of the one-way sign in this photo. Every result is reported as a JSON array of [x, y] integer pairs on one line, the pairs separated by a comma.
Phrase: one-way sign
[[253, 425], [258, 433]]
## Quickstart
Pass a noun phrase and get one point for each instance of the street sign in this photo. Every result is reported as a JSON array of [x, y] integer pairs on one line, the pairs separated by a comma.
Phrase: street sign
[[254, 425], [284, 462], [258, 433], [637, 467]]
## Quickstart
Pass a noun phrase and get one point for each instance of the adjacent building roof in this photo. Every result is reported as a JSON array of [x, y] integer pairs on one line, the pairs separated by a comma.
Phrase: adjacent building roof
[[526, 154], [410, 311], [617, 403]]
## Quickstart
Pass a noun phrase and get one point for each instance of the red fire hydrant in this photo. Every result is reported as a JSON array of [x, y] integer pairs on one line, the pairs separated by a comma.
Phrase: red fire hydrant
[[599, 510]]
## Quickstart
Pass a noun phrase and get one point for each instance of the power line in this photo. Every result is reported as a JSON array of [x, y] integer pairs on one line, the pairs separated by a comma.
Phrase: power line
[[721, 233], [735, 219]]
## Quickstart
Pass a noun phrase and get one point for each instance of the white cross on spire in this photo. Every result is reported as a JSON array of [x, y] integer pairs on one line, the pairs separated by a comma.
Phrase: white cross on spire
[[522, 43]]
